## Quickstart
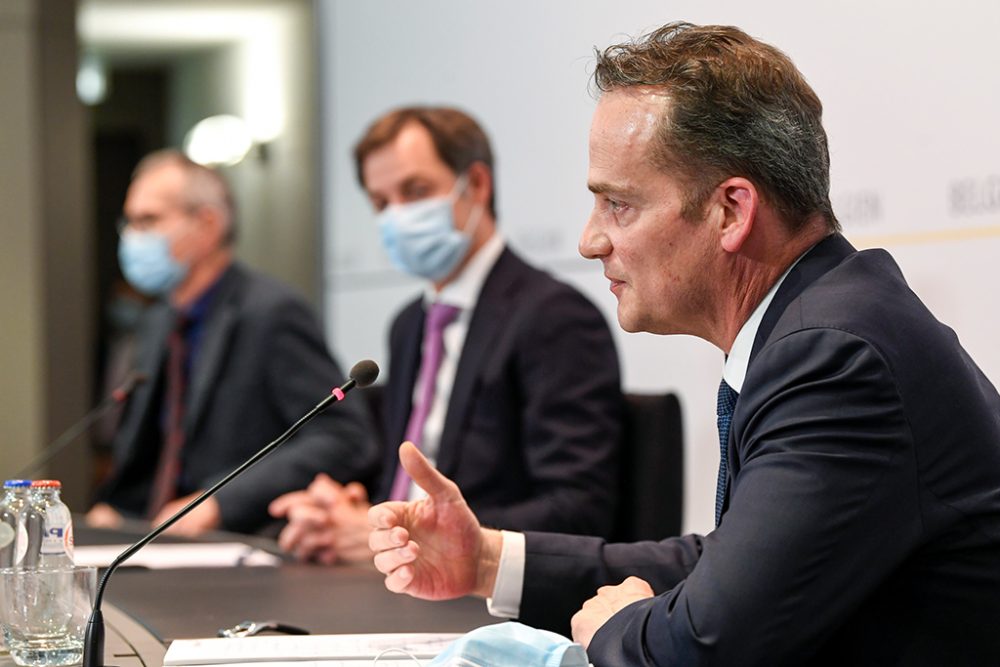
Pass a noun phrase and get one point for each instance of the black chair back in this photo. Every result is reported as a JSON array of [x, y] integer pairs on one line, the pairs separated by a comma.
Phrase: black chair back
[[651, 493]]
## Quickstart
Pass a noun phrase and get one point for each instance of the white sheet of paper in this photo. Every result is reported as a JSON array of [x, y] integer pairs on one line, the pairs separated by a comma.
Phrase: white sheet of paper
[[163, 556], [302, 650]]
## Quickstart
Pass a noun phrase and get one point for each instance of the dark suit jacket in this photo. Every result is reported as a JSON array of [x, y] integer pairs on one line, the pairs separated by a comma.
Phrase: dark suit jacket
[[863, 518], [533, 422], [261, 365]]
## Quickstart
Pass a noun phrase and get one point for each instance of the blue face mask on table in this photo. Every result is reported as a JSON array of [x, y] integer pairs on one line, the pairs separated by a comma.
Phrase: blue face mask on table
[[147, 264], [511, 645], [420, 238]]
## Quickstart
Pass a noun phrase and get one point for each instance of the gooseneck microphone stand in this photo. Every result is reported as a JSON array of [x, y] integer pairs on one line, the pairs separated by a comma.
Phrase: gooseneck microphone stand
[[362, 374]]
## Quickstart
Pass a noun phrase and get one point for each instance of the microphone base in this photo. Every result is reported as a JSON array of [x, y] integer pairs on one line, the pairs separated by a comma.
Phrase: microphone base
[[93, 641]]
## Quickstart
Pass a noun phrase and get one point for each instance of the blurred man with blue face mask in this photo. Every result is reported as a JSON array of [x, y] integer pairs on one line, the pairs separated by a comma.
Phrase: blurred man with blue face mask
[[485, 374], [231, 358]]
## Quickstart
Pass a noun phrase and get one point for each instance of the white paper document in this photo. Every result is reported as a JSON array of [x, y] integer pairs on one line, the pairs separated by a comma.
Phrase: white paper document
[[163, 556], [307, 650]]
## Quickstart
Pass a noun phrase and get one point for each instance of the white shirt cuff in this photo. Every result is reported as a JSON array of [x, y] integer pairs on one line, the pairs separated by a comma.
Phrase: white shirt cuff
[[506, 599]]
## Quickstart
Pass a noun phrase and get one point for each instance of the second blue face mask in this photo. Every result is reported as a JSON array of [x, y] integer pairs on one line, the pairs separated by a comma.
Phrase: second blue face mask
[[147, 264], [511, 645], [421, 239]]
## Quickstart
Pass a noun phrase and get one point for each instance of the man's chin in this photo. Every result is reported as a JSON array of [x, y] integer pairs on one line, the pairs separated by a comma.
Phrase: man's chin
[[627, 322]]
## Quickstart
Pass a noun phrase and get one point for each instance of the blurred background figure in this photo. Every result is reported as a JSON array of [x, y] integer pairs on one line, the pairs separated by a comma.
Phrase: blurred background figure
[[232, 359]]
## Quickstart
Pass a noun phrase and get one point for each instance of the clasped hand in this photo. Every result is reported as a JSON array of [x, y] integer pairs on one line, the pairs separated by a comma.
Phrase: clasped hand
[[327, 521]]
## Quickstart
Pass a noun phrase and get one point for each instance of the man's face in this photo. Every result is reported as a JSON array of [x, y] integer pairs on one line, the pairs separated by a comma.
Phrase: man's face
[[155, 203], [407, 170], [659, 264]]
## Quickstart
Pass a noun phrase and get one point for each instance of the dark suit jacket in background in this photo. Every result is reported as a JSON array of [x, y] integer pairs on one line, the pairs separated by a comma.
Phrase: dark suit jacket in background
[[533, 422], [863, 518], [262, 364]]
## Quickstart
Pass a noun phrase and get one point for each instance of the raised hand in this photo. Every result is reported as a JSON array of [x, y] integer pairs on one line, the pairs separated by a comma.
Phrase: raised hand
[[432, 548]]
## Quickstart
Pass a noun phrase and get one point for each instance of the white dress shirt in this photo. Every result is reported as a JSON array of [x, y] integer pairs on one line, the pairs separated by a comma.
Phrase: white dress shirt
[[462, 292]]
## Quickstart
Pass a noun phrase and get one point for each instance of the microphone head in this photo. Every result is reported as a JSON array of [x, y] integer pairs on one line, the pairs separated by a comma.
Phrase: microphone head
[[364, 372]]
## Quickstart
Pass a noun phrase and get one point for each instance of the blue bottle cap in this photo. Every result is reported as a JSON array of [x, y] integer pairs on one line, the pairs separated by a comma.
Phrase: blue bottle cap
[[16, 483]]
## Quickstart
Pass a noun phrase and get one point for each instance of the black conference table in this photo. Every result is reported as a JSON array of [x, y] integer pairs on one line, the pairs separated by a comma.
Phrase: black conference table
[[146, 609]]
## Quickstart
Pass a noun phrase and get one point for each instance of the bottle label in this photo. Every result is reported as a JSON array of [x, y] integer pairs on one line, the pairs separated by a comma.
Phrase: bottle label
[[58, 539], [57, 534], [7, 535]]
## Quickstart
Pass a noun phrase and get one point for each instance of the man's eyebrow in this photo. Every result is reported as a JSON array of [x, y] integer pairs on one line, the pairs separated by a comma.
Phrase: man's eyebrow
[[603, 187]]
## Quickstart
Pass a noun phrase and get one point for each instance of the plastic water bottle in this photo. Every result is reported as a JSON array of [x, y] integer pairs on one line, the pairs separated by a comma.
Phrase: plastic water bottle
[[15, 497], [46, 528]]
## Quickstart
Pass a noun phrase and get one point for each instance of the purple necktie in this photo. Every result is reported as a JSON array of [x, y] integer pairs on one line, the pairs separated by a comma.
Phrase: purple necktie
[[438, 317]]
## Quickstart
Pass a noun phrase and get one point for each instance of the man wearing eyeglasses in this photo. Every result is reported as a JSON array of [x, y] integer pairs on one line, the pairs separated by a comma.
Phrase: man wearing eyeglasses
[[233, 358]]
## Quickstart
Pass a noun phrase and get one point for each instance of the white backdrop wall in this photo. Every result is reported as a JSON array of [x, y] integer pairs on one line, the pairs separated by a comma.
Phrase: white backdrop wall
[[911, 95]]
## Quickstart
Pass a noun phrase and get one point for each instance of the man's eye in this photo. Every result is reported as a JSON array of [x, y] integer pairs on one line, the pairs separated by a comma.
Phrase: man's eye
[[417, 192], [616, 206]]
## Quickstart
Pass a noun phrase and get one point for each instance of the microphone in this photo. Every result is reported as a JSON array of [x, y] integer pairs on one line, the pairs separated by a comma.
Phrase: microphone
[[362, 374], [116, 397]]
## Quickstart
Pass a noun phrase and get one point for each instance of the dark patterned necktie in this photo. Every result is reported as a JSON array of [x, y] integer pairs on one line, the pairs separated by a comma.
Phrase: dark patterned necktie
[[724, 410]]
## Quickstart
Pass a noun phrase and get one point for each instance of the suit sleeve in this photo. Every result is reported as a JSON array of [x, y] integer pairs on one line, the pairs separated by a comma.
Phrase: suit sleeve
[[820, 513], [570, 418], [298, 373]]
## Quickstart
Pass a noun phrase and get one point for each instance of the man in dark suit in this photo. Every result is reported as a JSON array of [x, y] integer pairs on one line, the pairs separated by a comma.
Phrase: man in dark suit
[[522, 408], [232, 358], [858, 508]]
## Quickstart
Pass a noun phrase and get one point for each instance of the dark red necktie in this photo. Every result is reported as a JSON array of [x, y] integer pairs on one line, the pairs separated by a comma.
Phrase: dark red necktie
[[168, 470]]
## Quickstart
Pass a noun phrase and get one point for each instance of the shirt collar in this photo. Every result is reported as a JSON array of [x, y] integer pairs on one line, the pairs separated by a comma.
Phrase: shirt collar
[[198, 310], [464, 290], [735, 370]]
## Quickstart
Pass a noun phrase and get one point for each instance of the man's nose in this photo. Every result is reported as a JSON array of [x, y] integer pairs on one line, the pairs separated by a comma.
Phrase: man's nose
[[594, 243]]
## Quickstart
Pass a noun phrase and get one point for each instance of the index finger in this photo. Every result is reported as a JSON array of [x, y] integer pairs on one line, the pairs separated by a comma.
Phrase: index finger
[[387, 514]]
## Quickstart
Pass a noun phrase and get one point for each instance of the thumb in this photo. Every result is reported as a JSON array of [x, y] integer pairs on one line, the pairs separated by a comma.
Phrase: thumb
[[426, 476]]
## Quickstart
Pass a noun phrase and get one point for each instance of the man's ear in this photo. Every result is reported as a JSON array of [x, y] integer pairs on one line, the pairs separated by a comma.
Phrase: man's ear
[[480, 187], [738, 201], [213, 222]]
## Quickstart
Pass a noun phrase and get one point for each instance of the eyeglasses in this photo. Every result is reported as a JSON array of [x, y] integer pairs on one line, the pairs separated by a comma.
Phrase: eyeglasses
[[148, 221]]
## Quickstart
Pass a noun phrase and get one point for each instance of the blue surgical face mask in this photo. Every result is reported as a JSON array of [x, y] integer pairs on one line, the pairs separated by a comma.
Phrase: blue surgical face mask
[[511, 645], [421, 239], [147, 264]]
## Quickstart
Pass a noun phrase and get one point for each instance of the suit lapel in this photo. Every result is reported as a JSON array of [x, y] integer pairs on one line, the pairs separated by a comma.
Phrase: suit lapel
[[150, 363], [404, 356], [823, 257], [491, 313], [214, 345], [405, 365]]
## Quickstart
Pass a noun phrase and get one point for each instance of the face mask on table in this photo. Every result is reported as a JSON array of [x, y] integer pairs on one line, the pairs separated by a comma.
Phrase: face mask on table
[[511, 645]]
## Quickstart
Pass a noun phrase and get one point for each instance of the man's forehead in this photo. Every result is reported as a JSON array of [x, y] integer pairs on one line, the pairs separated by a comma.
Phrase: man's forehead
[[160, 183], [629, 114], [410, 153]]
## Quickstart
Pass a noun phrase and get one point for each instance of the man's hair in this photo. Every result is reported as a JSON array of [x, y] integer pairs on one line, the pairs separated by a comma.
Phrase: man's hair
[[736, 107], [458, 139], [202, 186]]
